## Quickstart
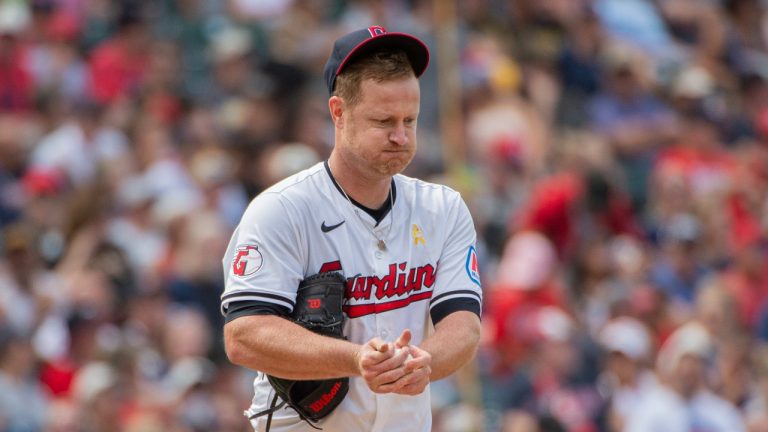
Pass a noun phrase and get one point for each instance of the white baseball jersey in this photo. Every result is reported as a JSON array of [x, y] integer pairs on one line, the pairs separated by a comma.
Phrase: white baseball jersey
[[304, 225]]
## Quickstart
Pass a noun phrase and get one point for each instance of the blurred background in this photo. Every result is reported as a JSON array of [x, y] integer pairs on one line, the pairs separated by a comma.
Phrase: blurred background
[[614, 154]]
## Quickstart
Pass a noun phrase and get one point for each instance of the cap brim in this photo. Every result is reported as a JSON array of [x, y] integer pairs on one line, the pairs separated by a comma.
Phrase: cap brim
[[416, 50]]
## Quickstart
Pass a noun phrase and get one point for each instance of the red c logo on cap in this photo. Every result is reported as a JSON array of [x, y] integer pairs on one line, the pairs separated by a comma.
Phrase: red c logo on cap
[[376, 30]]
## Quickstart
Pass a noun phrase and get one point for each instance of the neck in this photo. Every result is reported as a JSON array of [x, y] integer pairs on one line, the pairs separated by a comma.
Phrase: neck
[[370, 191]]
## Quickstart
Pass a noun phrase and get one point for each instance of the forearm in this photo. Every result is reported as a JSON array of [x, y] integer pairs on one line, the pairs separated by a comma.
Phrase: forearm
[[453, 344], [276, 346]]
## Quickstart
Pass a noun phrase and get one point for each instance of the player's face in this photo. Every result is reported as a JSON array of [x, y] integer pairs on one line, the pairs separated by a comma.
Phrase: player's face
[[379, 132]]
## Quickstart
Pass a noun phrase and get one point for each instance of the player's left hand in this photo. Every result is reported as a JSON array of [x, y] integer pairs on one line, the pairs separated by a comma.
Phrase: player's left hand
[[417, 373]]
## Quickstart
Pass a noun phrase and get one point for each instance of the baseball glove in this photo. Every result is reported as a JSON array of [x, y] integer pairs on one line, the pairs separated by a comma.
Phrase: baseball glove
[[318, 308]]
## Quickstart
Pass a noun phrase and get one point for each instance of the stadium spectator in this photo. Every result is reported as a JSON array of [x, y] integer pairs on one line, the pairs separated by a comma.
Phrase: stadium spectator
[[615, 162]]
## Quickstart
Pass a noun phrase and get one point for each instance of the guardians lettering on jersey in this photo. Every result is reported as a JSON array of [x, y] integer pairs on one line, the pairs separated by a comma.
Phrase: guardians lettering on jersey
[[399, 282]]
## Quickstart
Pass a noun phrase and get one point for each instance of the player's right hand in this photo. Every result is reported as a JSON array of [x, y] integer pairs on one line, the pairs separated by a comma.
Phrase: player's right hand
[[381, 364]]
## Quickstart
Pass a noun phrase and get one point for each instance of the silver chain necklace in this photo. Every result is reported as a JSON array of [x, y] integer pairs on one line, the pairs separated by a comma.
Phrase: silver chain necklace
[[380, 240]]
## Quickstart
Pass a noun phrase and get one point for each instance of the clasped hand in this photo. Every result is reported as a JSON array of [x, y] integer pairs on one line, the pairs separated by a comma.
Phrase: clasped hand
[[395, 367]]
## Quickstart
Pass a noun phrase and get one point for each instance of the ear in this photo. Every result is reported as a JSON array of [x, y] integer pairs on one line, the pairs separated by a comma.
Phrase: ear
[[336, 107]]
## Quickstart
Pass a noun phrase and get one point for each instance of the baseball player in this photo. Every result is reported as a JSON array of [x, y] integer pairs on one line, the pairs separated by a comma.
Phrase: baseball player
[[405, 249]]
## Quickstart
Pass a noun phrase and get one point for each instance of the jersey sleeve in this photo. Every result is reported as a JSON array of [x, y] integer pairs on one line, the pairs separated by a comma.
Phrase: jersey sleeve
[[457, 285], [237, 309], [263, 262]]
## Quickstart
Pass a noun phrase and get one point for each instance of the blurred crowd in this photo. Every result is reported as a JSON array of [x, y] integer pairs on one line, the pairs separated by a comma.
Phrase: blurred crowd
[[615, 161]]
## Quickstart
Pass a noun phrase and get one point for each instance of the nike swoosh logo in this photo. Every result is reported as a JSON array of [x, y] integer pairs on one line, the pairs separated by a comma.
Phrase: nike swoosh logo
[[330, 228]]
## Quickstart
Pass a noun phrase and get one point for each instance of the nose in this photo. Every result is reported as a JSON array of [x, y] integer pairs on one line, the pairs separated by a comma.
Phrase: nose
[[398, 135]]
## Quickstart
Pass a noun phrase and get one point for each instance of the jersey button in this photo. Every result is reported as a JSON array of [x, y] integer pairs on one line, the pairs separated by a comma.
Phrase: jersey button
[[384, 334], [378, 254]]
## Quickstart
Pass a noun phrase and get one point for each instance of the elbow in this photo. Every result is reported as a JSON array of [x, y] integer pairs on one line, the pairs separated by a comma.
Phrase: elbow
[[472, 328], [234, 345], [471, 336], [246, 341], [475, 335], [234, 353]]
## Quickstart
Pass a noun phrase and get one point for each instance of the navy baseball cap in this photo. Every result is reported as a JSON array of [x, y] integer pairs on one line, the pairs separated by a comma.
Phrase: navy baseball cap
[[361, 42]]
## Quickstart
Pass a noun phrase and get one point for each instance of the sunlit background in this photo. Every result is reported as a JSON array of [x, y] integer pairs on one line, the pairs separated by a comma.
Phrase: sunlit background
[[614, 154]]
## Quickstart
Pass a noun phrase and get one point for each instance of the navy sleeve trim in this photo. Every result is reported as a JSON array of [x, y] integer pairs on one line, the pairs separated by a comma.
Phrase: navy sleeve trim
[[442, 310], [252, 295], [454, 293], [239, 309]]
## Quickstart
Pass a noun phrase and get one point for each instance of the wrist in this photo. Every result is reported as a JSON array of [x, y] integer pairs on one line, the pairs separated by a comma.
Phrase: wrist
[[356, 354]]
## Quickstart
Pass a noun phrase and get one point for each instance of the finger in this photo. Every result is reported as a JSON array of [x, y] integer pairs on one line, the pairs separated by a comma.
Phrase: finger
[[377, 362], [404, 339], [372, 359], [409, 390], [413, 383], [387, 382], [393, 387], [412, 389], [410, 382], [397, 359], [414, 363], [419, 359], [388, 378], [378, 344], [418, 352]]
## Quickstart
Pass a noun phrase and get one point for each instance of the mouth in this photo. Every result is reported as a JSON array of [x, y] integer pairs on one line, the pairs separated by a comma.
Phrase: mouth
[[404, 150]]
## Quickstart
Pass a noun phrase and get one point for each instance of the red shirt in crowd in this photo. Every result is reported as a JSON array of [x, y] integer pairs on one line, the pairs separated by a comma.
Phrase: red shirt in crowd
[[17, 88], [554, 211], [114, 71]]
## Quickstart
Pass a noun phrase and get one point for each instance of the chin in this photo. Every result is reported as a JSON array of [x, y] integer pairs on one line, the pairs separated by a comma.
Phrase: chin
[[394, 166]]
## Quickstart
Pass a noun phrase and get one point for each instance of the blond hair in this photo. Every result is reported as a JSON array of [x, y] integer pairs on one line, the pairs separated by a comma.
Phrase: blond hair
[[382, 65]]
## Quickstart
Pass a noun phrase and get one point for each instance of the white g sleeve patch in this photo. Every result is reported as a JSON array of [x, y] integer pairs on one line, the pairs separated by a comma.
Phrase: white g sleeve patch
[[247, 260]]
